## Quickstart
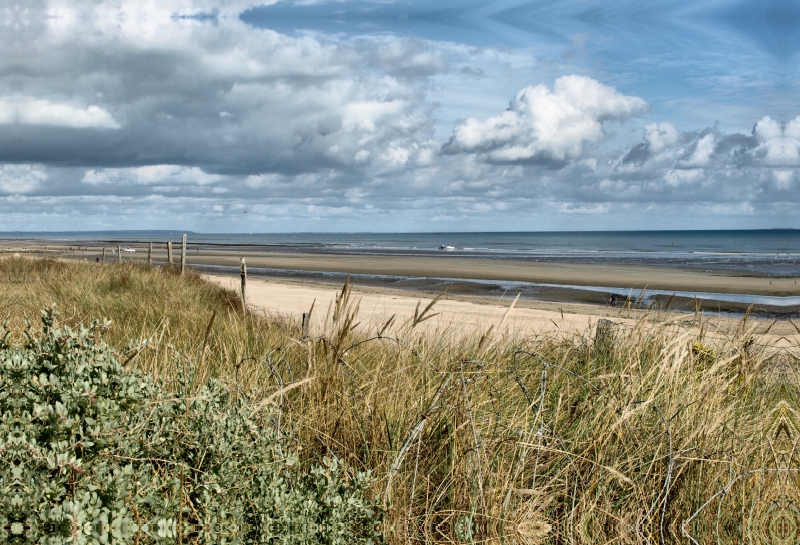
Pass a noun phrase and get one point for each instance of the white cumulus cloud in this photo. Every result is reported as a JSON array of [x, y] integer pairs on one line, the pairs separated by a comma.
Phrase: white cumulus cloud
[[151, 175], [30, 111], [708, 163], [20, 179], [703, 150], [660, 136], [540, 123], [779, 143]]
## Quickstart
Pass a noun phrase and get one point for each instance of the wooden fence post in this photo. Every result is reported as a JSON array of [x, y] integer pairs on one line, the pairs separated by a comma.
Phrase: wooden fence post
[[604, 334], [150, 254], [243, 271], [183, 253], [169, 252], [104, 254], [306, 323], [119, 253]]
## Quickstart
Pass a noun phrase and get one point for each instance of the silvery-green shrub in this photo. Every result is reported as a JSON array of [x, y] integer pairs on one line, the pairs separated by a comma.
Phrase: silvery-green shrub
[[93, 453]]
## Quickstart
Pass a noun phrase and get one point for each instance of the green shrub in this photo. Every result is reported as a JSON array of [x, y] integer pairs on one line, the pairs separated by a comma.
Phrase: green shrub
[[93, 453]]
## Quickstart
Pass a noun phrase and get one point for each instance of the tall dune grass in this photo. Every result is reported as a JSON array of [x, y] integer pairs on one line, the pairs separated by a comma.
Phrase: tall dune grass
[[650, 434]]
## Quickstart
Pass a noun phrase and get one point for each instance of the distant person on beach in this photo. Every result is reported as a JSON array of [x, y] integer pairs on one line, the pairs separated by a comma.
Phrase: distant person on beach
[[613, 300]]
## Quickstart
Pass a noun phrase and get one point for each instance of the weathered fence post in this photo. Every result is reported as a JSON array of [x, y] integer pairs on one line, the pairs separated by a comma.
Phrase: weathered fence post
[[183, 253], [119, 253], [150, 254], [604, 335], [104, 254], [169, 253], [243, 271], [306, 323]]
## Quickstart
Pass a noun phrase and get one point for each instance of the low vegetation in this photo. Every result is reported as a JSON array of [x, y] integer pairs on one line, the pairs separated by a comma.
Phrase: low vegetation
[[659, 433], [94, 454]]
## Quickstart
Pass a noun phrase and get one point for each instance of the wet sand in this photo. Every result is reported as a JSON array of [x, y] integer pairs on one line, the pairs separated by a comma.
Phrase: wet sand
[[581, 274], [450, 266]]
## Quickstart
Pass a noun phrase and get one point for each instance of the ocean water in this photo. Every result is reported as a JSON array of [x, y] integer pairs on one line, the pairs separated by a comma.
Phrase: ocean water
[[769, 252]]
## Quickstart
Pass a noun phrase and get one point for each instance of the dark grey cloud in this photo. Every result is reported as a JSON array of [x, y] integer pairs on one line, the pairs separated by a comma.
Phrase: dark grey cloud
[[220, 95]]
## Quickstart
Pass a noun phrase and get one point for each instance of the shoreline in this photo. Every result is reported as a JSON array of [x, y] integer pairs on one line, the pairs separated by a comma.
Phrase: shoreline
[[758, 254], [565, 282]]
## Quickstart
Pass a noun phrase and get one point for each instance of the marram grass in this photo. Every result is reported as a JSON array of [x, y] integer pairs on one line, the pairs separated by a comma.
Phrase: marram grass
[[657, 433]]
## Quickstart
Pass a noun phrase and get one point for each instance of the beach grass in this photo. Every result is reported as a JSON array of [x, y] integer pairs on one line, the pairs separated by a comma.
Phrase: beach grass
[[657, 433]]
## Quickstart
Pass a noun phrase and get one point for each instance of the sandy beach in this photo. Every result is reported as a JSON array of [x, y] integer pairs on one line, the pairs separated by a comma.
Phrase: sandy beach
[[377, 305], [290, 299]]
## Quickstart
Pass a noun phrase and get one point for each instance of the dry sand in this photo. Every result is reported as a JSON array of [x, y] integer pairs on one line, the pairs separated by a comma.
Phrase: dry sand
[[377, 305], [463, 313]]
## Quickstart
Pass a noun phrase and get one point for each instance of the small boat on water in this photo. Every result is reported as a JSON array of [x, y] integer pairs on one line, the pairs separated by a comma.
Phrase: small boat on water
[[447, 248]]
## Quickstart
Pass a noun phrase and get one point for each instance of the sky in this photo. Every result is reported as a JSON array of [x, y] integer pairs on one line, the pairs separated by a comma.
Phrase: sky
[[382, 115]]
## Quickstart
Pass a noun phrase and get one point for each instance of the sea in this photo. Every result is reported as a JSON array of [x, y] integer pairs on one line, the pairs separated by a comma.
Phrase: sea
[[764, 253]]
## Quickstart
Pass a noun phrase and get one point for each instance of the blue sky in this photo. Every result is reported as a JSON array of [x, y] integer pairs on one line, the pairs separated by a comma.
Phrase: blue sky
[[697, 59], [393, 116]]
